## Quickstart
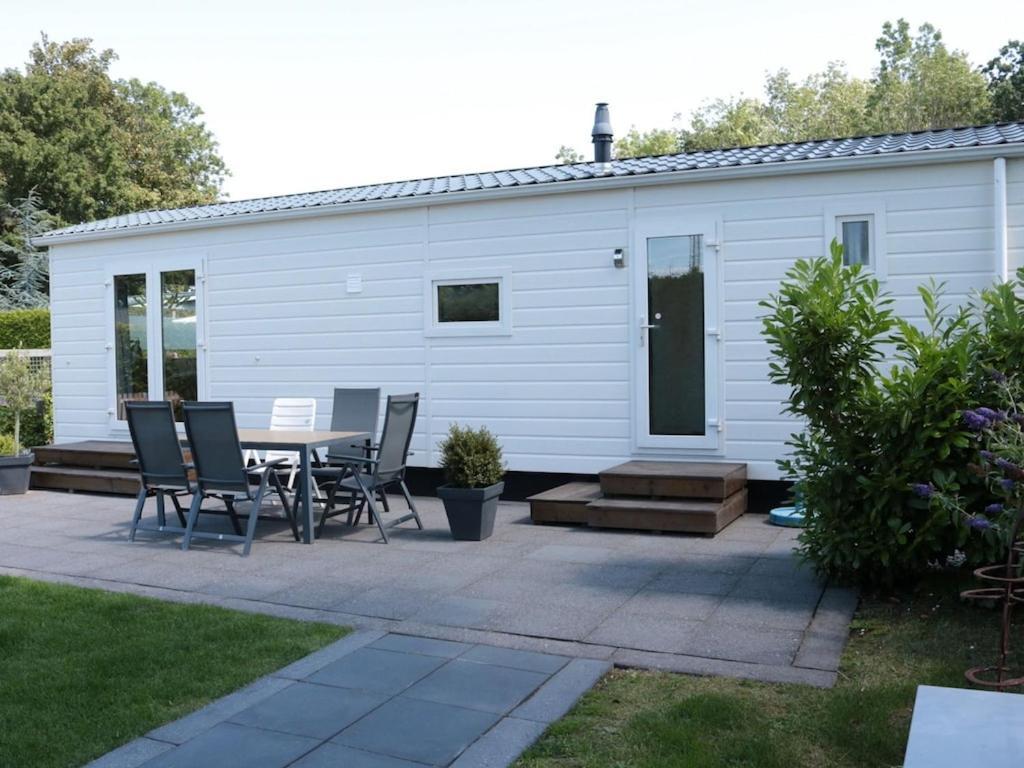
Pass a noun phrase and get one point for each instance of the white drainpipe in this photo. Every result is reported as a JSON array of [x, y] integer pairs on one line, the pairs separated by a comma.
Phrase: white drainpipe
[[1002, 251]]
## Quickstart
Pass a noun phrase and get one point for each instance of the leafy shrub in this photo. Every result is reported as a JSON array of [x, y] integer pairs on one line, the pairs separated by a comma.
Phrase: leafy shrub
[[869, 434], [21, 388], [471, 458], [26, 328], [36, 422], [7, 445]]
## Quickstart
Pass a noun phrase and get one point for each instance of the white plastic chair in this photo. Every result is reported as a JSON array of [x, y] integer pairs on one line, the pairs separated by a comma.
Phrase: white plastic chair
[[295, 414]]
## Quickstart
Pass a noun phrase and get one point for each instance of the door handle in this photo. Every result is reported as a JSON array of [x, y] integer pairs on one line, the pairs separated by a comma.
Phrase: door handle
[[648, 326], [644, 328]]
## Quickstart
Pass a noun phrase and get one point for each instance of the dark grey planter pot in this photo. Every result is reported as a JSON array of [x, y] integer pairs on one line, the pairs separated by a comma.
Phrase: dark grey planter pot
[[471, 511], [14, 473]]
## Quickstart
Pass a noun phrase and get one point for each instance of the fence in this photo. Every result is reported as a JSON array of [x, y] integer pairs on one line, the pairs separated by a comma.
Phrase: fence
[[38, 359]]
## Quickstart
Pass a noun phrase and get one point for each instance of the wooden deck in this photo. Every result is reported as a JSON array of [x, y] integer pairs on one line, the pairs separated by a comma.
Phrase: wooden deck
[[99, 466], [690, 497]]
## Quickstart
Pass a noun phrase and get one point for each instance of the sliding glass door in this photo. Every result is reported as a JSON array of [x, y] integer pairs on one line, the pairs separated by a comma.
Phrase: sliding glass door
[[156, 347]]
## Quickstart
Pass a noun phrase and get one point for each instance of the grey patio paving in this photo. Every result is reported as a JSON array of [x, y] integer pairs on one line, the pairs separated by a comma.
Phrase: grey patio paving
[[449, 703], [736, 604]]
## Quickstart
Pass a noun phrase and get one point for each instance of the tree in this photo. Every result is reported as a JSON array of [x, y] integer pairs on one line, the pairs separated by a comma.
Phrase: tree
[[568, 155], [91, 146], [660, 141], [23, 279], [921, 84], [1005, 74]]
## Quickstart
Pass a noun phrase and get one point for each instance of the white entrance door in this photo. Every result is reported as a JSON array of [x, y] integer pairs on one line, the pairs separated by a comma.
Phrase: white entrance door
[[155, 334], [676, 280]]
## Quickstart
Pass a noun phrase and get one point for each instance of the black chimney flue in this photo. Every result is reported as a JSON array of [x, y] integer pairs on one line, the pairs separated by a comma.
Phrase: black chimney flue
[[602, 135]]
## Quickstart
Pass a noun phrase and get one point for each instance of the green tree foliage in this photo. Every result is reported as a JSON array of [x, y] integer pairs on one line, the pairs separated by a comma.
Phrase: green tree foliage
[[656, 142], [24, 268], [1005, 75], [919, 83], [92, 146], [922, 84]]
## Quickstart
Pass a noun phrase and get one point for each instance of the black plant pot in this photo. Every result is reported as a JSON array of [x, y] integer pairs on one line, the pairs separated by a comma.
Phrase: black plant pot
[[471, 511], [14, 473]]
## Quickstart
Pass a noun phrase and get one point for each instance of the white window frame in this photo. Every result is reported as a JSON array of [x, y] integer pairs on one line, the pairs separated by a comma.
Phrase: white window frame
[[152, 269], [434, 328], [860, 210]]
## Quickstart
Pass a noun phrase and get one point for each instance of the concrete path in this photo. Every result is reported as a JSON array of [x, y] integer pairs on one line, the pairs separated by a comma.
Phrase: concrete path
[[375, 700], [738, 604]]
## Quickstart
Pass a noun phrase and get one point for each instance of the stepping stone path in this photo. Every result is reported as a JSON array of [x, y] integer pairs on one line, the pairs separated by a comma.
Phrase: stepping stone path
[[376, 700]]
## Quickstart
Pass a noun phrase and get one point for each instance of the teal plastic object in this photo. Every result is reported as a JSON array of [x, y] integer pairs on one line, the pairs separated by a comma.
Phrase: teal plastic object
[[790, 517]]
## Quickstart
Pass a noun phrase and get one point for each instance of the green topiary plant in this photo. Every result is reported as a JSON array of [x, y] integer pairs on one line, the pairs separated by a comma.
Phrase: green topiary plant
[[471, 458], [7, 445], [20, 388]]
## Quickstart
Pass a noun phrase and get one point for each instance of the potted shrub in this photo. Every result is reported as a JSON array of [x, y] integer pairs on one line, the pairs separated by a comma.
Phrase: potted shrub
[[473, 469], [20, 389]]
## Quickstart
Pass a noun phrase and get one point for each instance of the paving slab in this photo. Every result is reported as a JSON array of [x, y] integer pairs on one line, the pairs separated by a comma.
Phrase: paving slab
[[478, 686], [576, 592], [305, 709], [379, 671], [430, 733], [235, 746]]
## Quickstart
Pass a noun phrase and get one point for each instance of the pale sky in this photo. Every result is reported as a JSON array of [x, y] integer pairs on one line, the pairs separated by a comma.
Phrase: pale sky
[[308, 94]]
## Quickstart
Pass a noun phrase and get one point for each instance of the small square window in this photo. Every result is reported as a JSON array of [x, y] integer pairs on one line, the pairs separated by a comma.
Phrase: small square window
[[470, 302], [855, 237]]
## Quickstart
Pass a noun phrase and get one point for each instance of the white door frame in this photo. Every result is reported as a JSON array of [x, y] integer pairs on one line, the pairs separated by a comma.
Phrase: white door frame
[[152, 268], [664, 225]]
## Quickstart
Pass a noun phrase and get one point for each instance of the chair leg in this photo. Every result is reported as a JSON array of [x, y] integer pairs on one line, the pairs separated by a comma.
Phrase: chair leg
[[161, 515], [332, 496], [384, 500], [289, 511], [193, 514], [254, 513], [137, 515], [412, 507], [368, 498], [235, 523], [178, 510]]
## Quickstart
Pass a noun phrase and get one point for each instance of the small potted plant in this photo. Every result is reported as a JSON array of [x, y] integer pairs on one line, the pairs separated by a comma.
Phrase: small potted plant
[[473, 468], [20, 389]]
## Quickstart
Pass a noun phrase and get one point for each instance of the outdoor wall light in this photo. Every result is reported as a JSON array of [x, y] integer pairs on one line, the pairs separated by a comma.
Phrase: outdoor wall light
[[619, 258]]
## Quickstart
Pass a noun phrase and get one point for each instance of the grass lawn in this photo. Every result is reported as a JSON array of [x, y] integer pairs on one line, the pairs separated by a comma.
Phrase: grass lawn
[[651, 720], [83, 671]]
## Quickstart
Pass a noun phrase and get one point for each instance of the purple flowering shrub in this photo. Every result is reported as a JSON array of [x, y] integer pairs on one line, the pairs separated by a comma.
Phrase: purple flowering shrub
[[999, 436]]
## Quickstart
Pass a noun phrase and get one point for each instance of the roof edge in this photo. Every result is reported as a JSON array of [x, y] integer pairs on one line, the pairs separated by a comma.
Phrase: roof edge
[[788, 168]]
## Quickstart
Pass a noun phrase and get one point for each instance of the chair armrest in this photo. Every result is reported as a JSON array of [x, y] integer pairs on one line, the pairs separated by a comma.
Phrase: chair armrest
[[352, 459], [266, 465]]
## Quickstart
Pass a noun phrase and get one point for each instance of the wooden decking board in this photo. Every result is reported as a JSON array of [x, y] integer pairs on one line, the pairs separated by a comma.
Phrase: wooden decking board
[[564, 504], [108, 454], [678, 515], [85, 479], [674, 479]]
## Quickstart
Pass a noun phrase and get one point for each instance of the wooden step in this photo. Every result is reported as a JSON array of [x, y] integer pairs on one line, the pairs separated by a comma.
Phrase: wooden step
[[105, 454], [674, 479], [65, 478], [677, 515], [564, 504]]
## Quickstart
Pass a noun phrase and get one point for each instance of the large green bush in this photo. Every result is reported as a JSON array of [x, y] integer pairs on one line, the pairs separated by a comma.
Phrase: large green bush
[[870, 433], [27, 328]]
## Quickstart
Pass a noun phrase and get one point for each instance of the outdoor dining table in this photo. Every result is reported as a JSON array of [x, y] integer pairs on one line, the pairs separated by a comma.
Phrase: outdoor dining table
[[305, 444]]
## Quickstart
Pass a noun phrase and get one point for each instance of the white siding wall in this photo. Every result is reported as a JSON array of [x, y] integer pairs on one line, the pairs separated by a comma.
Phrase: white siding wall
[[557, 390]]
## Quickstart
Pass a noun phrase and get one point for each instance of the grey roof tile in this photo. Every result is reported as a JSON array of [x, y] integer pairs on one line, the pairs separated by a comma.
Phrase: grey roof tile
[[857, 146]]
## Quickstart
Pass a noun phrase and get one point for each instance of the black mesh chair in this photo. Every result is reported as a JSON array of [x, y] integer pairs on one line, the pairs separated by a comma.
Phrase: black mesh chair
[[162, 468], [355, 410], [364, 478], [221, 473]]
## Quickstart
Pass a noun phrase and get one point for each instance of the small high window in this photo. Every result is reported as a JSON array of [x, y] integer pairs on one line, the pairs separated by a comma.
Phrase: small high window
[[473, 304], [855, 235], [476, 302], [859, 225]]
